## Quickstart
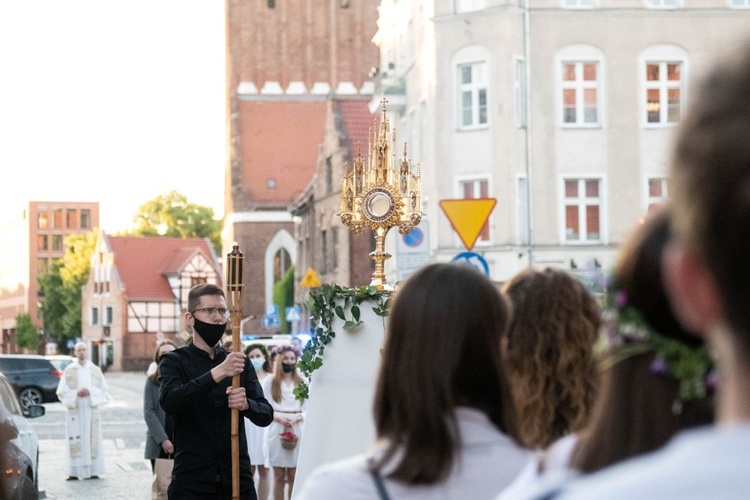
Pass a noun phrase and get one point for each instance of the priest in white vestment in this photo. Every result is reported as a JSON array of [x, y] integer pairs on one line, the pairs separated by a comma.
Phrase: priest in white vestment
[[83, 391]]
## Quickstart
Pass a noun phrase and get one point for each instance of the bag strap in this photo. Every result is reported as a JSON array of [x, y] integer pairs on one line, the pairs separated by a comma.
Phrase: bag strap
[[378, 480]]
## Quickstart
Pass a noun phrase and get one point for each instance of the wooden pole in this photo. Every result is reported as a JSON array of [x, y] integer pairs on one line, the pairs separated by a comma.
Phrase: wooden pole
[[235, 289]]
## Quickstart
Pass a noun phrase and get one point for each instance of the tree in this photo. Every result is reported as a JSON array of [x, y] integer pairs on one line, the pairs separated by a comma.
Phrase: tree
[[283, 297], [60, 288], [26, 334], [173, 215]]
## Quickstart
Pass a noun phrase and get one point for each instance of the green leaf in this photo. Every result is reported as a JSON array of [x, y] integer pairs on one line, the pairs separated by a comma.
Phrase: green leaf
[[340, 312], [355, 313]]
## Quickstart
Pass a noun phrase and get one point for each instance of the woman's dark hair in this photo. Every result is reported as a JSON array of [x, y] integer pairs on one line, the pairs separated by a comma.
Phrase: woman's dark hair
[[634, 414], [442, 350], [155, 376], [261, 348]]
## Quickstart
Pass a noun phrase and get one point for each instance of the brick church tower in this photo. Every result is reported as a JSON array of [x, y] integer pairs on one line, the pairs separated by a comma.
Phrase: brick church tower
[[284, 59]]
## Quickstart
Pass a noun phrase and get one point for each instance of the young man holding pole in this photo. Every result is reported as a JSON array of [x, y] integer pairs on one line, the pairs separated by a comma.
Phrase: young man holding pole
[[196, 389]]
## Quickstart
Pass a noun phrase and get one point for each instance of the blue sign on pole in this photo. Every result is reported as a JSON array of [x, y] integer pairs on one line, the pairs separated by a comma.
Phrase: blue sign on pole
[[473, 259]]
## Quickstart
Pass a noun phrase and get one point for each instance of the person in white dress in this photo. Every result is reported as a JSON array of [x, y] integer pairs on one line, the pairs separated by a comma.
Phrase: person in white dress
[[83, 391], [288, 419], [258, 355], [444, 417]]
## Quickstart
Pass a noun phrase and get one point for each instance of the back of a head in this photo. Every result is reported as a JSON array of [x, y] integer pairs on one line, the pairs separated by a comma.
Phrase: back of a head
[[654, 380], [550, 355], [710, 184], [442, 350]]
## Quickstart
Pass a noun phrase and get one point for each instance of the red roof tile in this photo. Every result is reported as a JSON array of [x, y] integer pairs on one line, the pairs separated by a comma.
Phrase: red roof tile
[[143, 262], [357, 121]]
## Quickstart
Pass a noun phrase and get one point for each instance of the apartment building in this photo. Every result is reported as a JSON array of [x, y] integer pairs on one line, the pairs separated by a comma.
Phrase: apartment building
[[561, 110], [30, 241]]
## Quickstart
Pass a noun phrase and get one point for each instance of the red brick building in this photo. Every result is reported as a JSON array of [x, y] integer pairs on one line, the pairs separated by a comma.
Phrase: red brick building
[[284, 60]]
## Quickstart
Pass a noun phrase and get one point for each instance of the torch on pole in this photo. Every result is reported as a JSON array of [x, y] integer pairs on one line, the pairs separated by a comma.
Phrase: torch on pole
[[235, 289]]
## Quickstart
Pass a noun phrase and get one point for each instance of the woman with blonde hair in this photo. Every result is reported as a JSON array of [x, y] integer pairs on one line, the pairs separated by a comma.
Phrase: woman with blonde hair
[[283, 435], [549, 354]]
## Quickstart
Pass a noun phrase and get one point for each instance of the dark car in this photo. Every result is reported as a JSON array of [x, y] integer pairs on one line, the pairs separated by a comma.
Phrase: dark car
[[34, 378], [19, 446]]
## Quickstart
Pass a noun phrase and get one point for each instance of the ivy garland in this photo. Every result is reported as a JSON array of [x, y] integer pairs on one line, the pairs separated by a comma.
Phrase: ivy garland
[[330, 302]]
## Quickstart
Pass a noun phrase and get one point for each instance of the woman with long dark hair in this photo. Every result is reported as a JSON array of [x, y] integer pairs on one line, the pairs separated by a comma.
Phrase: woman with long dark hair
[[443, 411]]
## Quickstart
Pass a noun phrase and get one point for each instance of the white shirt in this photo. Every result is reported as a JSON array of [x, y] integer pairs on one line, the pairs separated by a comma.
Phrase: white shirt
[[486, 463], [709, 463], [548, 469]]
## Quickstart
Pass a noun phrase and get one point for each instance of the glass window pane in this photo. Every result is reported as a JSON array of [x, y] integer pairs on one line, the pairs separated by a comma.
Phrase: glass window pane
[[652, 72], [673, 105], [482, 106], [590, 107], [592, 189], [484, 189], [592, 222], [569, 72], [655, 188], [572, 232], [468, 188], [466, 74], [569, 106], [569, 97], [589, 72], [571, 189], [673, 72], [653, 106]]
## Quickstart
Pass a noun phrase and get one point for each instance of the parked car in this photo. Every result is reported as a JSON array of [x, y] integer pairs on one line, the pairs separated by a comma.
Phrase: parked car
[[33, 377], [60, 360], [19, 446]]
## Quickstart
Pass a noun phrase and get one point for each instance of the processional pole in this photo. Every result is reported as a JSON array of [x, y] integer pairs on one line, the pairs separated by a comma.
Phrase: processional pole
[[235, 289]]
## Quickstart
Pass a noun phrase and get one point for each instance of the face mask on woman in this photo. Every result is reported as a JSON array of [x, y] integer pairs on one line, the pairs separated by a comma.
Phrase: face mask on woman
[[288, 368], [258, 362]]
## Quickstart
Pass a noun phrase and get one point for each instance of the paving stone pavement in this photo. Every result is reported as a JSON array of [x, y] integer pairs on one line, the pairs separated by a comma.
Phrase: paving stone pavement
[[127, 474]]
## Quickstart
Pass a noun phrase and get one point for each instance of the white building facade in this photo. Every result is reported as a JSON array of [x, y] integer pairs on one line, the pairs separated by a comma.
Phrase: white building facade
[[561, 110]]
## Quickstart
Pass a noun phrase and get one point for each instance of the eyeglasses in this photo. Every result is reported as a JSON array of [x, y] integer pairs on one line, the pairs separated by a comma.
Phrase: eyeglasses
[[209, 311]]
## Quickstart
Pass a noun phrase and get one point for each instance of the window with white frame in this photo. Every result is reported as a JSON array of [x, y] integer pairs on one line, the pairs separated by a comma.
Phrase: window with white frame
[[663, 91], [472, 85], [94, 317], [579, 4], [582, 203], [657, 192], [739, 4], [477, 188], [580, 88], [663, 4], [519, 91]]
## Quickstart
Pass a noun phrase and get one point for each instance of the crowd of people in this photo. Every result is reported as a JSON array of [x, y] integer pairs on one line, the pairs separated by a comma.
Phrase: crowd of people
[[536, 390]]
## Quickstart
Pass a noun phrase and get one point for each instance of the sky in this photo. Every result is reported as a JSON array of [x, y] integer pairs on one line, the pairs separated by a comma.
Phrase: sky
[[112, 101]]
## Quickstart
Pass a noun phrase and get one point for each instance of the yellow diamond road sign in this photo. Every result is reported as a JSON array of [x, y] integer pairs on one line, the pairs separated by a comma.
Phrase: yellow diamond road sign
[[310, 279], [468, 217]]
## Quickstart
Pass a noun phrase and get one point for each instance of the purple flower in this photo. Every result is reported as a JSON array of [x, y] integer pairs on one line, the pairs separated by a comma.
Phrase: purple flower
[[712, 380], [659, 365], [621, 299]]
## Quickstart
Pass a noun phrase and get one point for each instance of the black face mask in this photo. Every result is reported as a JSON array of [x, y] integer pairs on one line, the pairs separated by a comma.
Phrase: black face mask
[[288, 368], [211, 333]]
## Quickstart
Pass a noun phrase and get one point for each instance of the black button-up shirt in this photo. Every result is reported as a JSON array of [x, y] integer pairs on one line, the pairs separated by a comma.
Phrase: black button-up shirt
[[202, 418]]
